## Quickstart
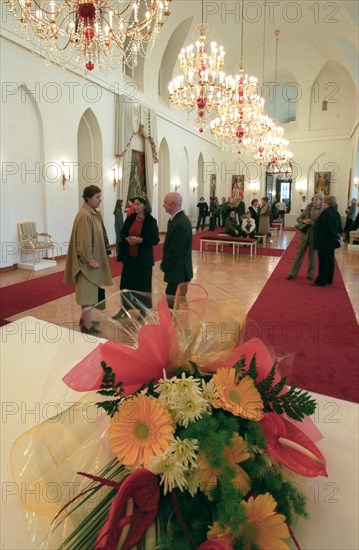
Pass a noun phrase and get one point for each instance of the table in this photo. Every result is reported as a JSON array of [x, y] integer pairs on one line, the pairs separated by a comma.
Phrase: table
[[35, 355]]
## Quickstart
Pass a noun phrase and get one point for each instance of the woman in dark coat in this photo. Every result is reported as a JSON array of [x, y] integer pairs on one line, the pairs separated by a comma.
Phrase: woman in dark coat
[[326, 238], [118, 213], [254, 210], [138, 236]]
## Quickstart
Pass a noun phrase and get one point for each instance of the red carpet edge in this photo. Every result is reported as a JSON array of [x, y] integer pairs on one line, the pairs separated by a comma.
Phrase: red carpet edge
[[315, 324]]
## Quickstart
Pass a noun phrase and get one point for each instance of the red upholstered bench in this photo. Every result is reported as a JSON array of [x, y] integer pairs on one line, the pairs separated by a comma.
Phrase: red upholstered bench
[[222, 239]]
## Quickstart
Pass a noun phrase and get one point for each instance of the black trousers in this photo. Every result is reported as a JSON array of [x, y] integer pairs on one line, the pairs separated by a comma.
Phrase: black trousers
[[135, 277], [171, 293], [326, 267], [201, 220]]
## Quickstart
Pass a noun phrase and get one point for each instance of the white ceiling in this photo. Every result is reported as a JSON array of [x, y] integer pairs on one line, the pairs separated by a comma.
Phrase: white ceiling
[[320, 30]]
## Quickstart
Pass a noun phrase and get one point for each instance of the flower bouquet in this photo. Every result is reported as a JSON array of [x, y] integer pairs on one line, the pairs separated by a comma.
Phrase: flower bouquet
[[205, 447]]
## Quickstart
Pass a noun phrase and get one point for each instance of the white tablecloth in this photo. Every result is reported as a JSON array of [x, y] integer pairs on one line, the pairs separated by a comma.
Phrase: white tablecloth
[[34, 357]]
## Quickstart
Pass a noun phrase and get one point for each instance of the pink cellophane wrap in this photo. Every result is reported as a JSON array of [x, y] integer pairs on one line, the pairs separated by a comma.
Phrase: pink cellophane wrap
[[157, 350]]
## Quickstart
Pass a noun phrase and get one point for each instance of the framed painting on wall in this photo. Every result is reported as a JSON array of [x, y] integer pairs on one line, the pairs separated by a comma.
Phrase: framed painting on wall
[[137, 186], [322, 183], [213, 185], [237, 188]]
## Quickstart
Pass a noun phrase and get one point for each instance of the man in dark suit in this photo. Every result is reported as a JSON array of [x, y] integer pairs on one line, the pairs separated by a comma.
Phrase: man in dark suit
[[326, 238], [177, 249]]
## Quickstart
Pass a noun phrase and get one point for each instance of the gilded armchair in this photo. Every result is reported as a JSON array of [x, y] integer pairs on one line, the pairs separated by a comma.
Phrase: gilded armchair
[[32, 242]]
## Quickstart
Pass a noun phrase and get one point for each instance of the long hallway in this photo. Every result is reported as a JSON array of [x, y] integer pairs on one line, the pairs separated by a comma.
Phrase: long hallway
[[222, 275]]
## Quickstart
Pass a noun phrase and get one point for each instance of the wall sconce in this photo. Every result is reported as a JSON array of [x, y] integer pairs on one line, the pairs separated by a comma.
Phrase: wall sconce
[[117, 175], [176, 183], [301, 187], [356, 182], [254, 187], [194, 184], [65, 174], [155, 183]]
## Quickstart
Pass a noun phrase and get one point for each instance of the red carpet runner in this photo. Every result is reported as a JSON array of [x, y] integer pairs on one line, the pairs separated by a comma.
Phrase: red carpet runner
[[38, 291], [317, 324]]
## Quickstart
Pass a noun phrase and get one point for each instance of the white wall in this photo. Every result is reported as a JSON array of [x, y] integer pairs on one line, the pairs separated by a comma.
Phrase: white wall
[[43, 129]]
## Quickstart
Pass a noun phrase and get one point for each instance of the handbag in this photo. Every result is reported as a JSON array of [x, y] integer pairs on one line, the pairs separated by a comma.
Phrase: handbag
[[303, 227]]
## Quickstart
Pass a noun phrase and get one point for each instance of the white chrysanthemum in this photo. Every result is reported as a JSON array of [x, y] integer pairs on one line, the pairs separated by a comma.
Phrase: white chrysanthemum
[[170, 471], [165, 385], [183, 398], [209, 391], [188, 410], [189, 385], [192, 480], [184, 450]]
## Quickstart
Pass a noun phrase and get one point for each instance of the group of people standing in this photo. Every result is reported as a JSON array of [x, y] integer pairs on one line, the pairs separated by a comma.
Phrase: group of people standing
[[320, 226], [88, 265], [232, 215], [218, 212], [255, 220]]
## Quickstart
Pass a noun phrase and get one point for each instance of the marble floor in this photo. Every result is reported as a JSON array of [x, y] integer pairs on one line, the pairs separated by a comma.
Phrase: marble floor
[[222, 275]]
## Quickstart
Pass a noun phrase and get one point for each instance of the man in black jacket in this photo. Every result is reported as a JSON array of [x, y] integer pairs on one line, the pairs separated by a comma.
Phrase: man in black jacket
[[202, 213], [177, 249], [326, 238]]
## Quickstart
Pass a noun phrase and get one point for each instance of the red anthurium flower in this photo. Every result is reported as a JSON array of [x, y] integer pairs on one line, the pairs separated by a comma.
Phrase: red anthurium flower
[[291, 447], [142, 487], [214, 545], [157, 347]]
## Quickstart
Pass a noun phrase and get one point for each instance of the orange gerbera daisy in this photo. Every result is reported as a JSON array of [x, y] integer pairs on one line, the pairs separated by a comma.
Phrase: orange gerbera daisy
[[266, 530], [141, 428], [235, 453], [238, 396], [217, 533], [207, 474]]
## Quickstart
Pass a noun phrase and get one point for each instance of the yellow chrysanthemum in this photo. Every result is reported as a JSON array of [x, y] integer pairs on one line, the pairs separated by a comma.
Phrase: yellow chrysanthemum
[[234, 454], [141, 428], [240, 397], [266, 530], [225, 535]]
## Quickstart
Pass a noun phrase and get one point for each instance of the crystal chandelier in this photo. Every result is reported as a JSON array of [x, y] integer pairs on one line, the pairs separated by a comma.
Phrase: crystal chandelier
[[202, 78], [90, 33], [273, 148], [240, 108], [239, 111]]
